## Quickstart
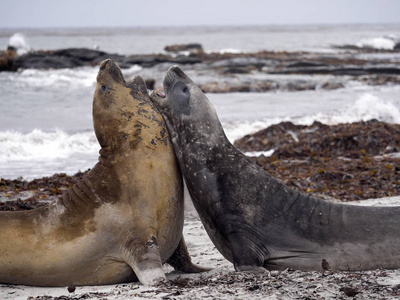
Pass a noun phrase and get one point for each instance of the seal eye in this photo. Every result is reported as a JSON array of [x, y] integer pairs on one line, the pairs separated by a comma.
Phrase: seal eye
[[185, 90], [104, 88]]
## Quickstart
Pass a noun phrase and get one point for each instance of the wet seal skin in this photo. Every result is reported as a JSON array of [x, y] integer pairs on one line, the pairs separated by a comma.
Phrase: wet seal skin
[[123, 220], [255, 221]]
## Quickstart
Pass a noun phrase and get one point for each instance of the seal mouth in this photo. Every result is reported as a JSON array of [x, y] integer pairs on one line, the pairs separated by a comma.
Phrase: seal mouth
[[159, 94], [156, 96]]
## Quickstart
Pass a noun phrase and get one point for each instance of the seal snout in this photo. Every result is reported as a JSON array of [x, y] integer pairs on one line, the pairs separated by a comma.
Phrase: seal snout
[[104, 63], [108, 66], [108, 62], [173, 74], [177, 72]]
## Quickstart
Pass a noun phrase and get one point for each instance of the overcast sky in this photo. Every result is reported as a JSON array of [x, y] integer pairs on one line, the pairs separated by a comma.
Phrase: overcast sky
[[104, 13]]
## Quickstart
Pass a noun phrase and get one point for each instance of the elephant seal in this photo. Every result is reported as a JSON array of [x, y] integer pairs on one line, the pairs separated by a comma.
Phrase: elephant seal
[[255, 221], [123, 220]]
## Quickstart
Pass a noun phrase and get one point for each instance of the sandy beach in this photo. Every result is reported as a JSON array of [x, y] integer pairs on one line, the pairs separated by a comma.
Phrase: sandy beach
[[222, 282]]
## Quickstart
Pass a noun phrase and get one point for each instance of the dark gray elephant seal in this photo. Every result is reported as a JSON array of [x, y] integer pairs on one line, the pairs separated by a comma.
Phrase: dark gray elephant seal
[[254, 220], [123, 219]]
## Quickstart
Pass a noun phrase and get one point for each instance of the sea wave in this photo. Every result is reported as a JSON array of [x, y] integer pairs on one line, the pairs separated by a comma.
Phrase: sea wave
[[70, 78], [38, 144], [229, 50], [78, 77], [18, 41], [383, 42], [366, 107]]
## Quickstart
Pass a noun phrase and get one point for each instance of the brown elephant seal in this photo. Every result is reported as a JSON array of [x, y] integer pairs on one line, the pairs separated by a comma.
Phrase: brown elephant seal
[[123, 219], [255, 221]]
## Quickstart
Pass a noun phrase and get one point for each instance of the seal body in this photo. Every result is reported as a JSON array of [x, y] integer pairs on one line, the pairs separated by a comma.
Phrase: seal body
[[255, 221], [123, 220]]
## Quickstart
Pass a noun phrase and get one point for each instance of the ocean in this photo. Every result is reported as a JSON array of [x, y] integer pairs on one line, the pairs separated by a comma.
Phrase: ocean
[[45, 115]]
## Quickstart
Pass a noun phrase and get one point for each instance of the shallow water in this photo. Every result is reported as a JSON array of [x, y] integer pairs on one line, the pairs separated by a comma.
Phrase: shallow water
[[243, 38], [46, 116]]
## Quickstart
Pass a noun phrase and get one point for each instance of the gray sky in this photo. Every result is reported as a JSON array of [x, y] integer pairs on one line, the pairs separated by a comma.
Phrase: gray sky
[[103, 13]]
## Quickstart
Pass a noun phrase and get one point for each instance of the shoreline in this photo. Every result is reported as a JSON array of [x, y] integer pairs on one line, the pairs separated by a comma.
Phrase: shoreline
[[222, 282], [348, 162], [294, 168]]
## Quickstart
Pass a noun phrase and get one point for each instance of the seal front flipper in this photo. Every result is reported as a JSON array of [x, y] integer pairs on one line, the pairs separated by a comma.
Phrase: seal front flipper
[[247, 255], [145, 260], [180, 260]]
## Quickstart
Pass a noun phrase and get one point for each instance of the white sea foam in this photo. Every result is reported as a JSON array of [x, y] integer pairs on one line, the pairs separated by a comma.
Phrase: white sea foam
[[77, 77], [18, 41], [236, 130], [74, 78], [50, 145], [386, 43], [365, 108], [230, 50], [131, 71], [259, 153]]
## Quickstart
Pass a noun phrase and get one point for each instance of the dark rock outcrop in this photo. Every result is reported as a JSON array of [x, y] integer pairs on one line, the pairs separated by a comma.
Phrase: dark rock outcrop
[[192, 48], [346, 161], [7, 59]]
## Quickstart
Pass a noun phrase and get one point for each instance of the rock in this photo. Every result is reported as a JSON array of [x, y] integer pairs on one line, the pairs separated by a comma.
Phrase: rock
[[340, 70], [337, 161], [191, 48], [240, 64], [259, 86], [332, 85], [346, 47], [65, 58], [237, 70], [82, 54], [46, 60], [305, 64], [7, 59], [346, 140], [349, 291], [379, 79], [300, 85], [224, 87], [148, 61]]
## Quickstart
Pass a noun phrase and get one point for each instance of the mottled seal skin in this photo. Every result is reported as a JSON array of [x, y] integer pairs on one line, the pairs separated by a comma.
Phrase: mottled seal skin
[[123, 220], [255, 221]]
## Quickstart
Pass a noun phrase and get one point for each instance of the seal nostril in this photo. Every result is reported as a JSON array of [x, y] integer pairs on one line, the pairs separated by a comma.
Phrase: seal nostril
[[178, 72]]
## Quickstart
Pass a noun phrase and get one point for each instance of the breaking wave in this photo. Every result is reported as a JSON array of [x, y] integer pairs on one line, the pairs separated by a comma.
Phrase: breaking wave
[[77, 77], [365, 108], [18, 41], [50, 145], [384, 43]]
